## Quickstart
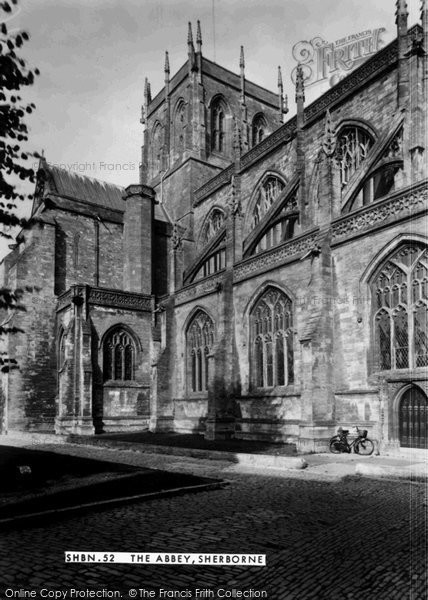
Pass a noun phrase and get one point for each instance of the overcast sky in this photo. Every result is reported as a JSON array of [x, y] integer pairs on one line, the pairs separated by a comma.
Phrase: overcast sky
[[94, 55]]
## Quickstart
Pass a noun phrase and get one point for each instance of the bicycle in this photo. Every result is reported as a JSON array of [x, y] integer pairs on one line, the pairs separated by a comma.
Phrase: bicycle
[[361, 444]]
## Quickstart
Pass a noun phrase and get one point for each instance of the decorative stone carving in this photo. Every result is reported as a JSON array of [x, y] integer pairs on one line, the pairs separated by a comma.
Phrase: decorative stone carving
[[213, 184], [329, 140], [275, 257], [384, 58], [195, 290], [117, 299], [233, 202], [176, 239], [393, 208]]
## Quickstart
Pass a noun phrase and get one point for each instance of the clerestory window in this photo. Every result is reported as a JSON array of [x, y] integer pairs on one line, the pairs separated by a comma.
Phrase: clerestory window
[[353, 146]]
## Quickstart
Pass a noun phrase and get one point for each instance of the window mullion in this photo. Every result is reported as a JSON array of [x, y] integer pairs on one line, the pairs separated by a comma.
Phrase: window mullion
[[274, 365], [264, 361], [285, 352]]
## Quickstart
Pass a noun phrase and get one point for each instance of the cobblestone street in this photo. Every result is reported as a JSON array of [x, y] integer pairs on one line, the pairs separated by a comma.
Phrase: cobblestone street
[[323, 537]]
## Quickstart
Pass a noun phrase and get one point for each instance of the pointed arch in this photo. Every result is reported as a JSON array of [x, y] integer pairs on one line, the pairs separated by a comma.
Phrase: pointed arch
[[271, 220], [410, 416], [354, 141], [179, 127], [213, 222], [219, 124], [381, 171], [157, 147], [119, 346], [399, 292], [262, 199], [271, 338], [61, 348], [200, 338], [259, 128]]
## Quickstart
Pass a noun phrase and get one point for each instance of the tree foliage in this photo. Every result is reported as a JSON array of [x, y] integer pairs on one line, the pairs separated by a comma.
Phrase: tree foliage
[[15, 75]]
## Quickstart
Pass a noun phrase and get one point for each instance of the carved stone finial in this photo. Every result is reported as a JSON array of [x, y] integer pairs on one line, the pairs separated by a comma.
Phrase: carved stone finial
[[285, 106], [233, 202], [401, 9], [190, 34], [424, 15], [242, 58], [329, 139], [166, 68], [300, 83], [198, 34], [237, 137], [280, 85]]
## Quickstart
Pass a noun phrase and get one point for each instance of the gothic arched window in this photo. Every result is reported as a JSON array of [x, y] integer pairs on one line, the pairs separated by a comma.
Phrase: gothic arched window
[[258, 129], [199, 342], [157, 148], [179, 128], [400, 297], [272, 357], [119, 356], [61, 350], [267, 193], [353, 146], [218, 125], [213, 224]]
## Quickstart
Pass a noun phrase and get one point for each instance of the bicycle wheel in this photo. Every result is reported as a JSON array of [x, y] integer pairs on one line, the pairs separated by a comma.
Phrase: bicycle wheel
[[365, 447], [336, 445]]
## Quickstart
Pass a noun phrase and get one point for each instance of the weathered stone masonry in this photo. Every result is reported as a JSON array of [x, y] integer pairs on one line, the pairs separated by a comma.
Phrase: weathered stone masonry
[[263, 280]]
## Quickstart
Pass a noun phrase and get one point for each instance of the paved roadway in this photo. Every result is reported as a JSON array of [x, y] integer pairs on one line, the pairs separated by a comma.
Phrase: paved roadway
[[324, 538]]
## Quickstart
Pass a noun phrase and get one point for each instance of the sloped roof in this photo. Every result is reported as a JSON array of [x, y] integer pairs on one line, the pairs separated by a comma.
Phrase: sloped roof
[[76, 186]]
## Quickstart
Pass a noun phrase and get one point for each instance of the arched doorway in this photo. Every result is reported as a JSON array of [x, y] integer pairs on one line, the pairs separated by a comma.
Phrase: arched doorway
[[413, 419]]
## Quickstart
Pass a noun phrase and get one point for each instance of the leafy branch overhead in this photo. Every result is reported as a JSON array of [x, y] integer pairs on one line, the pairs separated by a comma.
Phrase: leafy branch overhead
[[14, 75]]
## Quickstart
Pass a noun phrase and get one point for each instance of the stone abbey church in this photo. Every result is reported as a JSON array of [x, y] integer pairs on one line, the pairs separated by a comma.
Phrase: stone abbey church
[[264, 280]]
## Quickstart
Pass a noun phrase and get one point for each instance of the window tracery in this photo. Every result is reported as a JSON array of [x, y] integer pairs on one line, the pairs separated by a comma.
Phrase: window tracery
[[268, 192], [157, 148], [119, 356], [400, 292], [199, 342], [272, 361], [218, 126], [179, 128], [212, 225], [259, 128], [353, 146]]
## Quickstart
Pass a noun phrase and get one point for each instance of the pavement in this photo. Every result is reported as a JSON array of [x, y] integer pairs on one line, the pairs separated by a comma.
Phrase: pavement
[[411, 465], [326, 533]]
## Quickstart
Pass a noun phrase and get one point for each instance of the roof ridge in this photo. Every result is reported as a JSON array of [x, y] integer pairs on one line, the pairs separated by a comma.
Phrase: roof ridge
[[71, 173]]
